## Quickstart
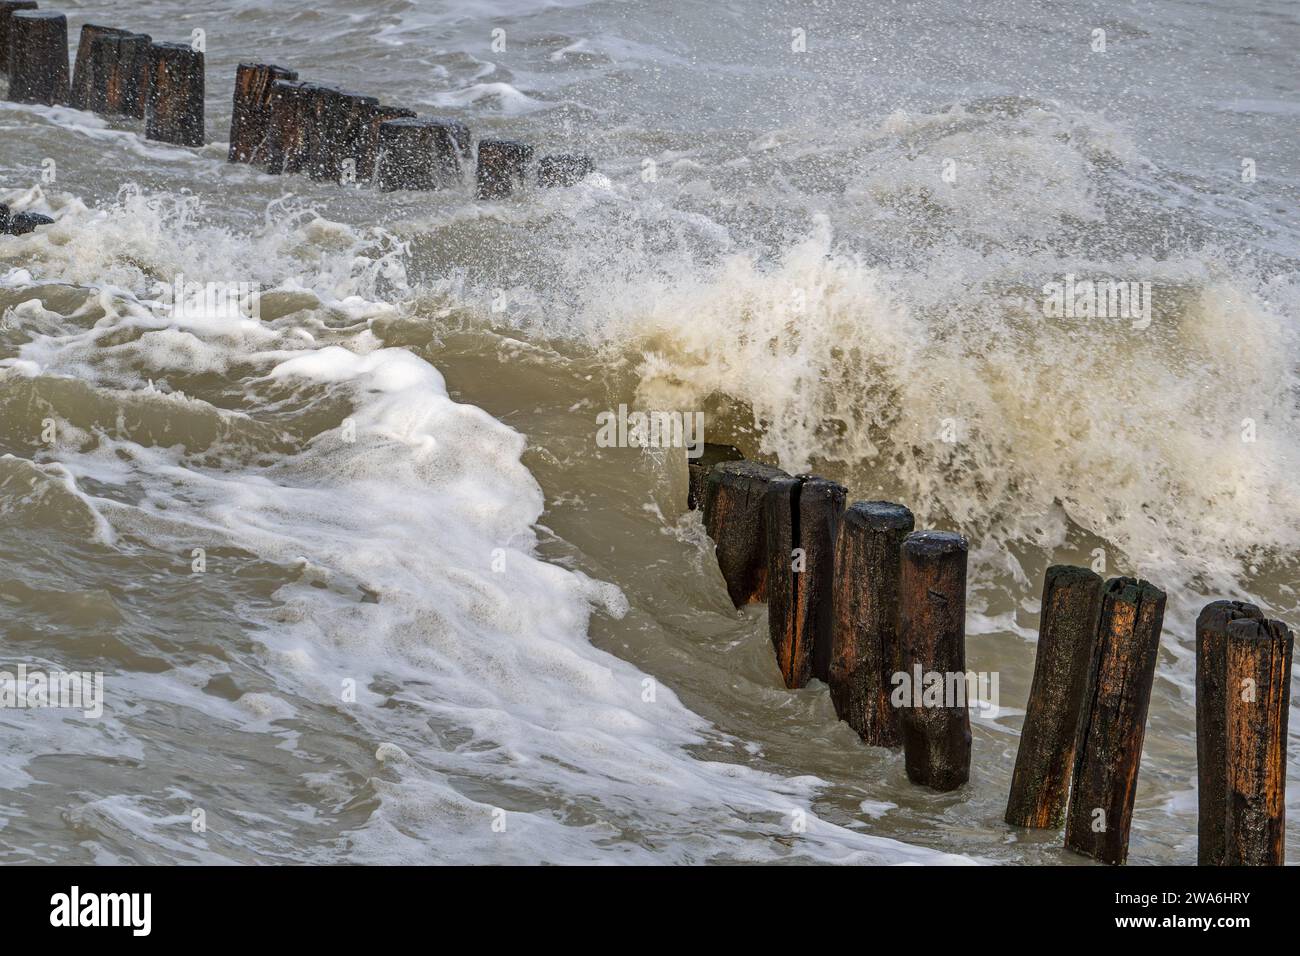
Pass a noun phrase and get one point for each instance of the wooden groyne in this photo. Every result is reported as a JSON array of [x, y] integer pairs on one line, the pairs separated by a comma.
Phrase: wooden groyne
[[278, 122], [893, 616]]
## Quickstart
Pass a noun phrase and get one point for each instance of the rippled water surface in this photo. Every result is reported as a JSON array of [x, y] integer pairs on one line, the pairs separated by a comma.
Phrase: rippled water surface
[[428, 596]]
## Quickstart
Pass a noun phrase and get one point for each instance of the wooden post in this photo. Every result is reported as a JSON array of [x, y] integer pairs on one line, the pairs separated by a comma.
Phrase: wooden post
[[348, 130], [7, 10], [38, 58], [865, 652], [125, 88], [90, 71], [174, 113], [284, 148], [250, 119], [1067, 641], [1211, 724], [25, 222], [697, 470], [1113, 720], [734, 519], [416, 154], [1258, 701], [802, 520], [502, 165], [333, 119], [563, 170], [935, 722], [368, 146]]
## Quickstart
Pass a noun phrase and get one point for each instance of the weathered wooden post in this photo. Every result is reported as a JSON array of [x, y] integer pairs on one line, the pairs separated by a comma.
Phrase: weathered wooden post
[[368, 147], [1067, 642], [174, 113], [734, 519], [90, 68], [283, 149], [416, 154], [124, 90], [1211, 724], [250, 120], [563, 169], [935, 722], [865, 651], [801, 524], [697, 470], [1113, 720], [502, 165], [38, 58], [347, 131], [7, 10], [1258, 688], [25, 222]]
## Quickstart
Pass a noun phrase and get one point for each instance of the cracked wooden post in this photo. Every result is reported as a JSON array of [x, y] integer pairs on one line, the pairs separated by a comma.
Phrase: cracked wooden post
[[1211, 724], [734, 519], [697, 470], [174, 113], [7, 9], [250, 118], [90, 70], [563, 169], [1113, 720], [932, 637], [38, 58], [1258, 667], [802, 521], [865, 652], [125, 87], [502, 165], [417, 154], [1067, 641], [112, 72]]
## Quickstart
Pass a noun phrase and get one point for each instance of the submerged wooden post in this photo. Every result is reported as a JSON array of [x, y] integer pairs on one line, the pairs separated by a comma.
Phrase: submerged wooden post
[[416, 154], [174, 113], [502, 165], [1211, 724], [563, 169], [1258, 702], [38, 58], [250, 119], [7, 10], [1067, 641], [932, 636], [802, 520], [697, 470], [90, 66], [734, 519], [865, 651], [25, 222], [1113, 720]]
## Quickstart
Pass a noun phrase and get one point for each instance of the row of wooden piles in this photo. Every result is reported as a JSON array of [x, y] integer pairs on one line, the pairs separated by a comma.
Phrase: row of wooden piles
[[279, 123], [856, 597]]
